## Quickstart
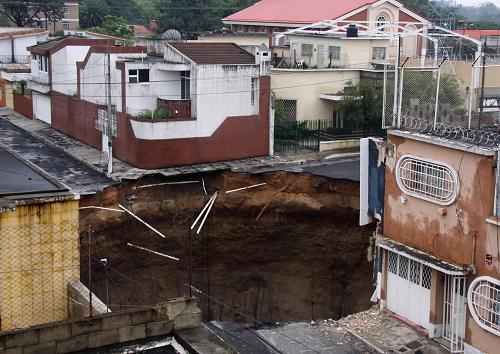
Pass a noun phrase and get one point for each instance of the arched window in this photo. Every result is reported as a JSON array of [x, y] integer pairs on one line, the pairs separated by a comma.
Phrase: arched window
[[484, 303], [381, 20], [262, 29], [239, 29], [426, 179], [275, 29], [250, 29]]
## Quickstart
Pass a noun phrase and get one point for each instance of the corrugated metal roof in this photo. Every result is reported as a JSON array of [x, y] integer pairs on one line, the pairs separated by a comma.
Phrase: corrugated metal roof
[[47, 45], [214, 53]]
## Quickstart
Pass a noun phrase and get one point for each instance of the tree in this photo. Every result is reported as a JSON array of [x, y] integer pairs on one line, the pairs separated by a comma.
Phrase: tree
[[52, 10], [25, 13], [361, 107], [114, 26], [92, 12]]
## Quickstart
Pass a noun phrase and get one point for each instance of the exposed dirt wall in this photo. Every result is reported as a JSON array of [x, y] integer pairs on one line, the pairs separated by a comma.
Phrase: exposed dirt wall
[[304, 258]]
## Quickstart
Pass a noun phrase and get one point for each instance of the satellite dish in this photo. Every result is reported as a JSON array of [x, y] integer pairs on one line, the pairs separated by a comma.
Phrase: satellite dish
[[171, 35]]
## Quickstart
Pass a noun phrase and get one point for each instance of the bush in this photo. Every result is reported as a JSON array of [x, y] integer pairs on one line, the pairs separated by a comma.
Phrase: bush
[[159, 113]]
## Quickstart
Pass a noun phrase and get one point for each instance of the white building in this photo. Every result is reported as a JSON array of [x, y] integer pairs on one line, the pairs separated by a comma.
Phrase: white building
[[14, 42]]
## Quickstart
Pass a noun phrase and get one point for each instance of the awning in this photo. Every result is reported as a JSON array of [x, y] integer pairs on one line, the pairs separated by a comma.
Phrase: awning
[[422, 257], [330, 97]]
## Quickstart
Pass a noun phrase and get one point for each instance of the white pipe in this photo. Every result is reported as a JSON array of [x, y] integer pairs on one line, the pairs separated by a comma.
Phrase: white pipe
[[102, 208], [240, 189], [206, 214], [203, 210], [142, 221], [437, 98], [151, 251], [166, 183]]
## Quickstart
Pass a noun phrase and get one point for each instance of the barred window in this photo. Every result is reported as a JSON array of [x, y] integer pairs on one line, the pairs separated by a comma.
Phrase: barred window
[[306, 50], [334, 52], [428, 180], [378, 53], [484, 303]]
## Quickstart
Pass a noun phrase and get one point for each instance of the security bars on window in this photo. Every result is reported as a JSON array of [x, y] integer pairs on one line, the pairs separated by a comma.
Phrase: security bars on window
[[484, 303], [428, 180]]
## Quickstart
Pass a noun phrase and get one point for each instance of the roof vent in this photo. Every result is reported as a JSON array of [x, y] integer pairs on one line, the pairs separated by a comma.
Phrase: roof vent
[[352, 31]]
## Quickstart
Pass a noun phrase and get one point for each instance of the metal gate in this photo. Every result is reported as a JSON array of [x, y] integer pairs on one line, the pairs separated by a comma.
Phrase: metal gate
[[454, 312], [408, 288]]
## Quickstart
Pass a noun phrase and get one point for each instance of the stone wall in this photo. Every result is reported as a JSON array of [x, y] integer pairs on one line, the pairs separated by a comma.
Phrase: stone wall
[[103, 330]]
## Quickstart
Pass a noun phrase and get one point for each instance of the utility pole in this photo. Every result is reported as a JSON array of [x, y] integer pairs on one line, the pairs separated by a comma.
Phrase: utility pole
[[481, 98], [90, 271], [110, 115]]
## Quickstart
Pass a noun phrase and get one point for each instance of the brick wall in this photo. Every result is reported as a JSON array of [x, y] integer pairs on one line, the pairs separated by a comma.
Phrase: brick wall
[[23, 105], [103, 330], [3, 93]]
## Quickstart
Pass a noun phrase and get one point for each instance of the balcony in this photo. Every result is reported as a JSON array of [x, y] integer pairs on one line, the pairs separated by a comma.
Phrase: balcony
[[14, 59], [177, 108]]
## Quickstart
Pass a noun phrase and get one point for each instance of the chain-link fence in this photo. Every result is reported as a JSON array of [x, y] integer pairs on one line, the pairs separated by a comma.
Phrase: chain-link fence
[[36, 265], [458, 99]]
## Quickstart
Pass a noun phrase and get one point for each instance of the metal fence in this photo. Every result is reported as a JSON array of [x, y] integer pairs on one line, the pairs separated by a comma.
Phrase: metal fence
[[293, 136], [456, 100], [36, 265]]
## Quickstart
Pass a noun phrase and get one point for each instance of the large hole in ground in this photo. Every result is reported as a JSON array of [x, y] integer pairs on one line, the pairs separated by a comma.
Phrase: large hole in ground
[[304, 258]]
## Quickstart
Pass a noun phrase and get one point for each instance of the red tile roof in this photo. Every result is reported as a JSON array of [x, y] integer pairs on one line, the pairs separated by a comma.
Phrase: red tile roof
[[19, 33], [296, 11], [476, 34], [214, 53]]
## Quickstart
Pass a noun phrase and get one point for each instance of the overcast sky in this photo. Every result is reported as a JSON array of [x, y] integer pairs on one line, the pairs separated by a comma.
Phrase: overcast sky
[[477, 2]]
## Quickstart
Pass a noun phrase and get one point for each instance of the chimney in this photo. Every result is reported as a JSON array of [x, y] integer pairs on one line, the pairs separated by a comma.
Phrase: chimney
[[153, 25]]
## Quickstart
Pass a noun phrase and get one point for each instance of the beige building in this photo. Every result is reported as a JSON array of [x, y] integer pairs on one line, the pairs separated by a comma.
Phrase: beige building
[[70, 20], [39, 245]]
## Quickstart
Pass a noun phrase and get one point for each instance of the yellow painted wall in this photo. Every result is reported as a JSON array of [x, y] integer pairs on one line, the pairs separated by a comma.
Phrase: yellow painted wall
[[305, 86], [39, 256]]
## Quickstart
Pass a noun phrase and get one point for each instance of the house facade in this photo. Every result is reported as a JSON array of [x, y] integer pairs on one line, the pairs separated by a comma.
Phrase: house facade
[[69, 21], [274, 16], [14, 41], [198, 102]]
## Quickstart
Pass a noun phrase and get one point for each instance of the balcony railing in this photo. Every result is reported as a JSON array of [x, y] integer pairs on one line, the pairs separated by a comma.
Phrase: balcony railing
[[18, 59], [177, 108]]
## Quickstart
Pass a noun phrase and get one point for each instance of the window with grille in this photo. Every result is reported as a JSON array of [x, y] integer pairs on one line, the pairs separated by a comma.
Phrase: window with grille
[[254, 89], [484, 303], [306, 50], [334, 52], [427, 180], [409, 269], [381, 20], [378, 53], [66, 25], [138, 75], [185, 85], [285, 110], [65, 9]]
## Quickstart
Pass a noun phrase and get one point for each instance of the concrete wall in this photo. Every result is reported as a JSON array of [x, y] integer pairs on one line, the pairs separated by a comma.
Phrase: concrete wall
[[23, 104], [39, 256], [305, 86], [63, 66], [353, 51], [143, 95], [102, 330], [462, 236], [20, 45]]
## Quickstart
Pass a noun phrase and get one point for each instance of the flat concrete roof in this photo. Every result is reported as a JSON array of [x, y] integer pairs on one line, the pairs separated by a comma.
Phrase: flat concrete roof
[[17, 177]]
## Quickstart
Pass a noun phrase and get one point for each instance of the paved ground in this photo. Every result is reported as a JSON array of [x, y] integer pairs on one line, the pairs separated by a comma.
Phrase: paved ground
[[335, 165], [75, 174]]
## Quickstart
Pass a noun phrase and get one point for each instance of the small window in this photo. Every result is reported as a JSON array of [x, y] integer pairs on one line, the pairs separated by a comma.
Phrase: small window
[[334, 52], [250, 29], [65, 9], [66, 25], [484, 303], [262, 29], [275, 29], [254, 90], [185, 85], [138, 75], [378, 53], [427, 180], [381, 20], [306, 50], [240, 29]]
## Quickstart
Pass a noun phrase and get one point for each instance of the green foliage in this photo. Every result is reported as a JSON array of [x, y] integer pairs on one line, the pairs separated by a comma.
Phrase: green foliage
[[25, 13], [114, 26], [361, 106], [92, 12], [159, 113], [291, 130]]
